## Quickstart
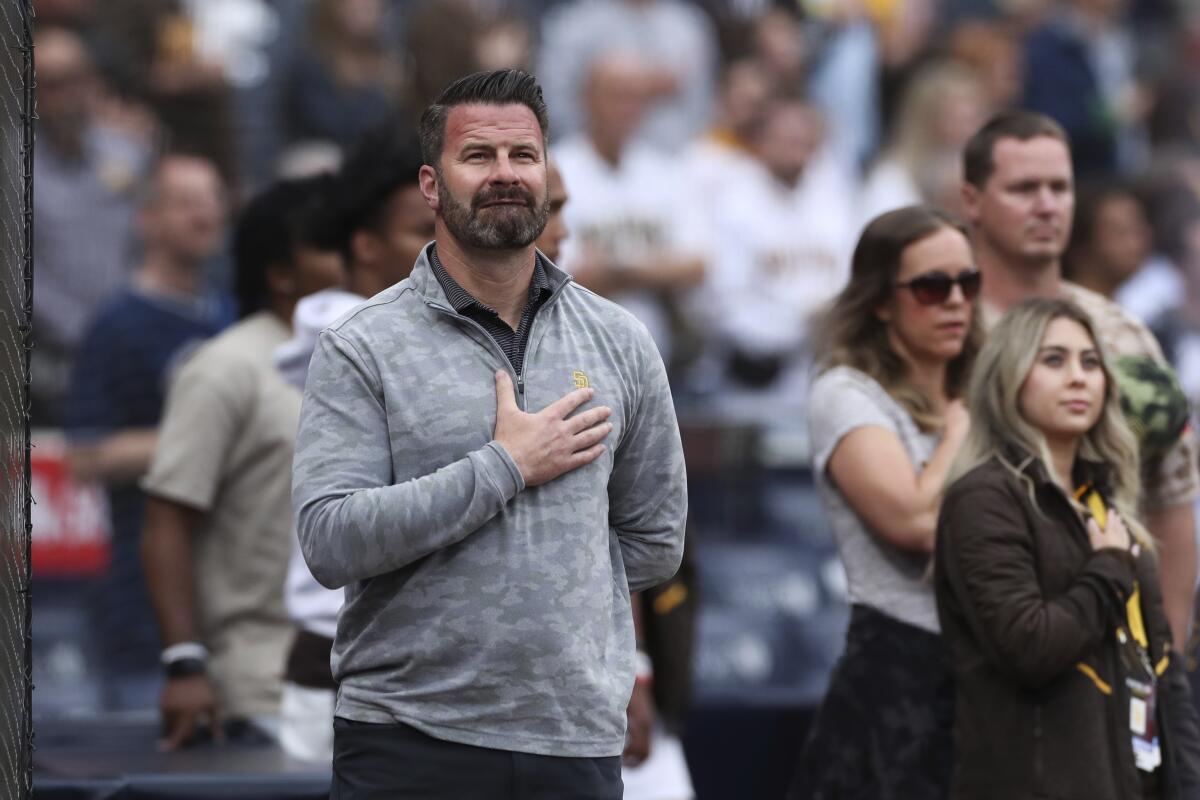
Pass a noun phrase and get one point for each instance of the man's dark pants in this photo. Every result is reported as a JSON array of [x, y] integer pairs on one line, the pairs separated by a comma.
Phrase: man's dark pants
[[373, 762]]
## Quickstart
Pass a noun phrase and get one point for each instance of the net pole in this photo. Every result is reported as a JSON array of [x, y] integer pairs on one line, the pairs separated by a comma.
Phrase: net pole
[[28, 115]]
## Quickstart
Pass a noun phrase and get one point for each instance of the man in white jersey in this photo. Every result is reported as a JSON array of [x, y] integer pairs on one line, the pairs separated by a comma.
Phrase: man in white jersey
[[782, 236], [635, 235]]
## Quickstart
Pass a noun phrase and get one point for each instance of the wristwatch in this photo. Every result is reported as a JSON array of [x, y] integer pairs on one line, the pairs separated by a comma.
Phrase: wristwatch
[[185, 659]]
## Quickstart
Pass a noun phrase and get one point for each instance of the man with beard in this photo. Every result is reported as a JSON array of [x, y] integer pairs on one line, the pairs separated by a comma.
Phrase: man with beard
[[488, 461]]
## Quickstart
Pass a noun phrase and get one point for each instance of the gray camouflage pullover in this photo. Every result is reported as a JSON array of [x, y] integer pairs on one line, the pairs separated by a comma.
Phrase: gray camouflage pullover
[[477, 610]]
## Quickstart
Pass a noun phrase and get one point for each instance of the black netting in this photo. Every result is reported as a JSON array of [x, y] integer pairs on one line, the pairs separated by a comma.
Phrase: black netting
[[16, 284]]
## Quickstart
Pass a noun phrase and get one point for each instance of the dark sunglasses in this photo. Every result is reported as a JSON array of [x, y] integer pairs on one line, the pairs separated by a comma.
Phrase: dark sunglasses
[[935, 287]]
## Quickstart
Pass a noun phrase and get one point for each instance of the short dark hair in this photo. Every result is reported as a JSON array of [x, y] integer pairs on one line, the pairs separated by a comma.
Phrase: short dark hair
[[499, 87], [270, 228], [384, 159], [979, 155]]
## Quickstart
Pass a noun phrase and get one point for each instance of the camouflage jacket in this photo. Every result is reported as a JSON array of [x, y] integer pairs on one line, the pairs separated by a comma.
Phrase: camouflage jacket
[[478, 610]]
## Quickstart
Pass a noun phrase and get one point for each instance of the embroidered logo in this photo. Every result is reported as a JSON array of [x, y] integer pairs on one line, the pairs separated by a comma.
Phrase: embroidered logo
[[581, 380]]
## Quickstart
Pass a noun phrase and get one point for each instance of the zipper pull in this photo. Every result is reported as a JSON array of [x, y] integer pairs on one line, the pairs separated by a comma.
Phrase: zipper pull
[[521, 383]]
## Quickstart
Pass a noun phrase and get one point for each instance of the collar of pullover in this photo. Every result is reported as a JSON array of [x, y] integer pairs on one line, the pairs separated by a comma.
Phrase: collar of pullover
[[428, 286]]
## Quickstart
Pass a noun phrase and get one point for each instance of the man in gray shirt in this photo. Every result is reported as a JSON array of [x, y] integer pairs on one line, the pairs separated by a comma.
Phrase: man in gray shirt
[[488, 460]]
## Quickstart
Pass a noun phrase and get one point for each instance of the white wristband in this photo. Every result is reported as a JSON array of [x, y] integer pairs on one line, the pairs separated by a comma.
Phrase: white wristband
[[178, 652], [643, 667]]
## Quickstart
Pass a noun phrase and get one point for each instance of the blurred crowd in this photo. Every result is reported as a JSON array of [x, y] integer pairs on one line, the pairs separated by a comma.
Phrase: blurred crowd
[[712, 155], [709, 147]]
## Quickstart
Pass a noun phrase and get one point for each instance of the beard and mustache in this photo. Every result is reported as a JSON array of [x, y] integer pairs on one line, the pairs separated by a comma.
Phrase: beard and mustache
[[504, 227]]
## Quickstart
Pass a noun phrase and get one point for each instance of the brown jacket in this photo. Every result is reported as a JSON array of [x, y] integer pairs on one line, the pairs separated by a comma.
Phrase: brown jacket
[[1029, 613]]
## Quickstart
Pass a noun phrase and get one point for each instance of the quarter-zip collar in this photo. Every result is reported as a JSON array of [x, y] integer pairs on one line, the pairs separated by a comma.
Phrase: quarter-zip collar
[[427, 285]]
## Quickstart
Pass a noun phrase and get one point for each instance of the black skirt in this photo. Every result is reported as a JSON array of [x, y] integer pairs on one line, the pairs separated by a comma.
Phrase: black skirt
[[885, 728]]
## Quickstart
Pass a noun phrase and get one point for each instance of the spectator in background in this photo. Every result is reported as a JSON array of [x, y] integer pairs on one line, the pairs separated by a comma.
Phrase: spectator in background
[[674, 38], [1179, 329], [505, 42], [887, 419], [745, 92], [943, 105], [87, 174], [991, 49], [1176, 93], [218, 530], [844, 79], [347, 81], [151, 54], [116, 399], [1168, 197], [378, 218], [781, 236], [1019, 193], [442, 38], [555, 231], [1079, 70], [636, 235], [778, 43], [1110, 239]]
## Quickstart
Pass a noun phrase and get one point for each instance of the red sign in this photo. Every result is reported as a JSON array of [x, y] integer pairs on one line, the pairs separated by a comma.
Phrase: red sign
[[70, 519]]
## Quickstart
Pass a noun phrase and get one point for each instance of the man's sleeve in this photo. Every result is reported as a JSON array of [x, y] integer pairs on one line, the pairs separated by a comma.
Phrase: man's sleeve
[[354, 523], [1174, 479], [205, 413], [647, 491]]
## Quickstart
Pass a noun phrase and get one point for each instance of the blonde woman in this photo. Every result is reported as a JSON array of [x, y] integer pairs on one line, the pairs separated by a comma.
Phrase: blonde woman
[[886, 422], [1048, 595], [942, 105]]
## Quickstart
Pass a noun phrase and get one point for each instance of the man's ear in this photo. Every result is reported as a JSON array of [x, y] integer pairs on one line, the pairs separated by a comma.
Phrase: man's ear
[[970, 199], [429, 187]]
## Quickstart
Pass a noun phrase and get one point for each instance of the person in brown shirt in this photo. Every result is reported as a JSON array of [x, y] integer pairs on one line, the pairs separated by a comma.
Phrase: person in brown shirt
[[1067, 685], [1019, 197], [217, 531]]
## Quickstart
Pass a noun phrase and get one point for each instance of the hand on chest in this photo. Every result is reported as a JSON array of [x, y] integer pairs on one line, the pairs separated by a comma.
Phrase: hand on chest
[[445, 405]]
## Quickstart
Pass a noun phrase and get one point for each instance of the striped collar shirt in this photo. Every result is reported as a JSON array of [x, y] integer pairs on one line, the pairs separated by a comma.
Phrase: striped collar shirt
[[512, 342]]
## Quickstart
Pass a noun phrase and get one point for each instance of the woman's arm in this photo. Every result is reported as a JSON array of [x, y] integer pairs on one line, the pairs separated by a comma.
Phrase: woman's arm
[[897, 501]]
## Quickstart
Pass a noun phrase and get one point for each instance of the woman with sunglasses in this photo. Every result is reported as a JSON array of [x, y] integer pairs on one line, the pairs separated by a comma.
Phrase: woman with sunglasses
[[886, 421], [1046, 583]]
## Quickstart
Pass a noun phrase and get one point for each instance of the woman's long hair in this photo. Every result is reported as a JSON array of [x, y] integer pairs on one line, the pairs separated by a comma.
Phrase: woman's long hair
[[997, 423], [915, 142], [850, 332]]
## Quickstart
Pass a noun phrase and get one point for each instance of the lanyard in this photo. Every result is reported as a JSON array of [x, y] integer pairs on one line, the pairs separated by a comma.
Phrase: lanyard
[[1133, 639]]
